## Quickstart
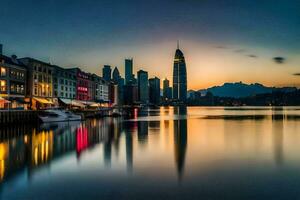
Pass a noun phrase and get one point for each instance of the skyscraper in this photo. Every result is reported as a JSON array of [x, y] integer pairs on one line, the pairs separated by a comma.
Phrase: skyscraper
[[179, 76], [116, 75], [106, 73], [143, 89], [167, 90], [128, 70], [154, 90]]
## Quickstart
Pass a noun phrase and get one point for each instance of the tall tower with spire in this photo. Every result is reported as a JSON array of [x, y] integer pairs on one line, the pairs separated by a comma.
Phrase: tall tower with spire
[[179, 76]]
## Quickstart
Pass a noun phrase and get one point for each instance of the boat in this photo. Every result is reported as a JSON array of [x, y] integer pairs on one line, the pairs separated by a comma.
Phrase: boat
[[116, 113], [58, 115]]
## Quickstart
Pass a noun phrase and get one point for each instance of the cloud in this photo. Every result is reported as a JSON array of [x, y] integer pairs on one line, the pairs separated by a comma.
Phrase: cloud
[[240, 50], [296, 74], [252, 56], [279, 60], [221, 47]]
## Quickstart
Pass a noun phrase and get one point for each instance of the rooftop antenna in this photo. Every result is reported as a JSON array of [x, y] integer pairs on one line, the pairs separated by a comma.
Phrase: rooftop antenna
[[177, 44]]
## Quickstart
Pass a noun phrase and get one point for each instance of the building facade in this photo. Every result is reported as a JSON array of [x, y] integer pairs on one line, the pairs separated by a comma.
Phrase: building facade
[[84, 85], [143, 86], [39, 88], [64, 83], [179, 77], [100, 89], [12, 81], [116, 75], [154, 90], [128, 70], [106, 73], [130, 94], [167, 90]]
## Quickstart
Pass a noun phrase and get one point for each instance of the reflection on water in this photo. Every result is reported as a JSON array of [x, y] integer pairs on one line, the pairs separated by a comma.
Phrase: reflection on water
[[211, 152], [180, 139]]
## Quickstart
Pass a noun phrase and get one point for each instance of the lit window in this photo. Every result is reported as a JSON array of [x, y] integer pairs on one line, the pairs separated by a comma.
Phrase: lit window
[[2, 86], [3, 71]]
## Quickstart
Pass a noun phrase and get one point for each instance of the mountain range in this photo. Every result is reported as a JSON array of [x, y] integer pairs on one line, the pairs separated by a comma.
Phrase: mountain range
[[239, 89]]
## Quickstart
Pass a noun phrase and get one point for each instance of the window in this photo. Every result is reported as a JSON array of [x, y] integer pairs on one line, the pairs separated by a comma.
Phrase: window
[[22, 89], [40, 79], [35, 92], [12, 88], [35, 76], [2, 71], [2, 85]]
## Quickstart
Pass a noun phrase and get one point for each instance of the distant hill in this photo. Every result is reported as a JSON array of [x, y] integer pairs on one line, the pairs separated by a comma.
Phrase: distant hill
[[240, 89]]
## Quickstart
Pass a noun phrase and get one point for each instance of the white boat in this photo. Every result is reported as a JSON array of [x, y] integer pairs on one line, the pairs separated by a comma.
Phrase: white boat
[[56, 115]]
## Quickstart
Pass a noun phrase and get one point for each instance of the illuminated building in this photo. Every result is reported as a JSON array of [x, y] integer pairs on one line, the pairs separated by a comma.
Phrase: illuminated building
[[64, 83], [12, 81], [39, 82], [179, 77], [84, 85], [100, 89]]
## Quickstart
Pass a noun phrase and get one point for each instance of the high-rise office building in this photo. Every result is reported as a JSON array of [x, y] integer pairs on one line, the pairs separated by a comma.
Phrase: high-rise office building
[[143, 88], [128, 70], [116, 75], [179, 77], [154, 90], [106, 73], [167, 90]]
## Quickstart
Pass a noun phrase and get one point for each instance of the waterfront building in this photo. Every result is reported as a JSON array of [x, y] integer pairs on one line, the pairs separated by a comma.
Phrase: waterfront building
[[121, 84], [12, 82], [64, 83], [106, 73], [39, 88], [167, 90], [154, 90], [84, 85], [179, 77], [128, 70], [100, 89], [130, 94], [113, 94], [143, 88]]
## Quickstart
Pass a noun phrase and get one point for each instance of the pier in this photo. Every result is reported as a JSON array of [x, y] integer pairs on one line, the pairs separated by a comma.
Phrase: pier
[[11, 117]]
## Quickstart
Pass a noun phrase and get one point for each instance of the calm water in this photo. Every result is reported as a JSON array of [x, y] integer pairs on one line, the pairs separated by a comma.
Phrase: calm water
[[165, 153]]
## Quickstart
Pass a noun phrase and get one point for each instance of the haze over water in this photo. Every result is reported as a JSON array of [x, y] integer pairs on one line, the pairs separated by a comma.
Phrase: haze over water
[[178, 153]]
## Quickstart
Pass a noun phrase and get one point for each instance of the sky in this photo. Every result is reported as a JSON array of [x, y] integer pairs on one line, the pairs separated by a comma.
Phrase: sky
[[222, 40]]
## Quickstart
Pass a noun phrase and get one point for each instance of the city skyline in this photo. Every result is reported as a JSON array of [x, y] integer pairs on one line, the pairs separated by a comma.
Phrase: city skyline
[[223, 42]]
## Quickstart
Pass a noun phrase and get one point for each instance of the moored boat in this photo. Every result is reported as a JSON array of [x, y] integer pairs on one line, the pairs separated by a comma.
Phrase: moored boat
[[57, 115]]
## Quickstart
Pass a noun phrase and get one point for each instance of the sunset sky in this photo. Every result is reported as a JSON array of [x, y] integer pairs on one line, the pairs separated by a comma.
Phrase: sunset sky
[[223, 40]]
